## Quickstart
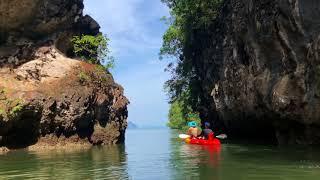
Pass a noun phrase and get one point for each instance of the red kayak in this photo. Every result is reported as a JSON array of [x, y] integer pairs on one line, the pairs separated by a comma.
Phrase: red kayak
[[210, 141]]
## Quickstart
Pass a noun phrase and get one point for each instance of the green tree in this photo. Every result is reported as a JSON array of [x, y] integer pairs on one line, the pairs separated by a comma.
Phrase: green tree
[[94, 49], [176, 117], [181, 113], [188, 17]]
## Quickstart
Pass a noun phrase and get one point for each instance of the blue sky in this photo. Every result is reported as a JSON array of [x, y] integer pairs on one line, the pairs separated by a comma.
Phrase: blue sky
[[135, 31]]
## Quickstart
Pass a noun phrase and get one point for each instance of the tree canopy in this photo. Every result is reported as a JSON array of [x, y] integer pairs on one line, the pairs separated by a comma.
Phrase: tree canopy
[[187, 17], [180, 114], [94, 49]]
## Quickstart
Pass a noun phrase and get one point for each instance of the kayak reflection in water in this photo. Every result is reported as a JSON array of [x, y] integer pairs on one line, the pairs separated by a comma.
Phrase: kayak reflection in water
[[214, 155], [193, 131], [208, 156]]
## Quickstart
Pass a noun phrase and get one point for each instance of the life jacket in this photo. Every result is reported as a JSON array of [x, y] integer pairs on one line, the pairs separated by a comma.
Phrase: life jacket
[[211, 136]]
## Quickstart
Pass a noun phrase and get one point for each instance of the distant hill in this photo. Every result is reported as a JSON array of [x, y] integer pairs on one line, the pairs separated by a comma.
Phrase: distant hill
[[131, 125]]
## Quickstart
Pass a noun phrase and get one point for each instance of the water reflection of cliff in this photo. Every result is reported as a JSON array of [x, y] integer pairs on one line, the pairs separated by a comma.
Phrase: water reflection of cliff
[[96, 163]]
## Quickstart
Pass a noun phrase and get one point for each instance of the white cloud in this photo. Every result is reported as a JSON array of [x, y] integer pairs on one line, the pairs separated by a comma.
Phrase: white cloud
[[127, 22], [135, 31]]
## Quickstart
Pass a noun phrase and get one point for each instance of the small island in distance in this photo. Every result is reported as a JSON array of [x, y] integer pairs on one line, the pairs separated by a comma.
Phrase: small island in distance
[[132, 125]]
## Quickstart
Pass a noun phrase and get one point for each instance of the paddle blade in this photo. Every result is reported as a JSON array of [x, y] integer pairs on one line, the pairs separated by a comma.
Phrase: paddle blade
[[222, 136], [183, 136]]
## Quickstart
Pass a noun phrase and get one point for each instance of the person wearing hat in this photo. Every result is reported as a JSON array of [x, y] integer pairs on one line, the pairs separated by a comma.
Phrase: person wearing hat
[[206, 131], [193, 130]]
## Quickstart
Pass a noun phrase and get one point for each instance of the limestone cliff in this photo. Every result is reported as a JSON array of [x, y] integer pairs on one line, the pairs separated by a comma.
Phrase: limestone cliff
[[46, 96], [259, 69]]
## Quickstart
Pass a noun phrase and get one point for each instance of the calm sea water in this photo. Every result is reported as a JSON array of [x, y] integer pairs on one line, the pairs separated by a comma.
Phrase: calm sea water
[[157, 154]]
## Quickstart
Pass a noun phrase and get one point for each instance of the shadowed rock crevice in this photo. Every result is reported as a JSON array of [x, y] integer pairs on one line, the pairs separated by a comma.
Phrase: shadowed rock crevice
[[22, 128]]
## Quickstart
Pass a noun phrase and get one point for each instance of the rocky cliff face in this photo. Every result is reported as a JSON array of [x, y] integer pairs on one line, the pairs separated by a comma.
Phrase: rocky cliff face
[[259, 68], [45, 96]]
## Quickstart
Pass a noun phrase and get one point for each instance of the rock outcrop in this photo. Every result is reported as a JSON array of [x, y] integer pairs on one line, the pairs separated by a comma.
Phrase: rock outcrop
[[46, 97], [259, 69]]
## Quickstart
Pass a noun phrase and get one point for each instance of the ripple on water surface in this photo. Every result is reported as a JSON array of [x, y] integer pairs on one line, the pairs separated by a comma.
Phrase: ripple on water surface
[[96, 163], [158, 154]]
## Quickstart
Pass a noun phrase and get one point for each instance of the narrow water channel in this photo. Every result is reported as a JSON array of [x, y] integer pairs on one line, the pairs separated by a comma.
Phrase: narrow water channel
[[158, 154]]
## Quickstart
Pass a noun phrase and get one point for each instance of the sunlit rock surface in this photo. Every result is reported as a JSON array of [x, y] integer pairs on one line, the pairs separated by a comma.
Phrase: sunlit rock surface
[[46, 97]]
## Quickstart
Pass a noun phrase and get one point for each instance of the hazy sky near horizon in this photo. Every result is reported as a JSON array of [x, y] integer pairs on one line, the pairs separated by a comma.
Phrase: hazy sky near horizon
[[135, 31]]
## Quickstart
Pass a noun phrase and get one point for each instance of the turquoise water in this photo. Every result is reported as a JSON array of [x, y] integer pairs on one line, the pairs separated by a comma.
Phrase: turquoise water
[[158, 154]]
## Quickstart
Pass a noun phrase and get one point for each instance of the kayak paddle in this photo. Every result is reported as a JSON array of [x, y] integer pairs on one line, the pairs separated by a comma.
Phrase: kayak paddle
[[222, 136], [183, 136]]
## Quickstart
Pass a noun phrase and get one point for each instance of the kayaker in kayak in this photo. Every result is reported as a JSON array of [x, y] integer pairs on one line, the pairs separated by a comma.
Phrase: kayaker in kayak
[[194, 137], [206, 131], [193, 131]]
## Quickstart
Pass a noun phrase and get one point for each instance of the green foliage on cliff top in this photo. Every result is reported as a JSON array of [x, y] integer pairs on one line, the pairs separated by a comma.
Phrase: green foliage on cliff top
[[188, 17], [94, 49]]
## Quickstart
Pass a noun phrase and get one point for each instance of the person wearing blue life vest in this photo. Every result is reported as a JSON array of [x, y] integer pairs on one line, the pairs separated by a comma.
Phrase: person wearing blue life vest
[[193, 130]]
